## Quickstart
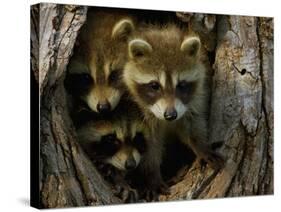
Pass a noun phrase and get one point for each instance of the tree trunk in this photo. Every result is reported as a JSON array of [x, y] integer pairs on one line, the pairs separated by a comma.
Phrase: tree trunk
[[241, 112], [67, 177], [239, 54]]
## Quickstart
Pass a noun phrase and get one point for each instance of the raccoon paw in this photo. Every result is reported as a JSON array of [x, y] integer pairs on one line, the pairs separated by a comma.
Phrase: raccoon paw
[[201, 164], [152, 194], [127, 194], [215, 160], [131, 196]]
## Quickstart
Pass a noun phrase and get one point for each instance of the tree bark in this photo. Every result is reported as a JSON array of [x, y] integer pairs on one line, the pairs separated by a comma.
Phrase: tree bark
[[67, 177], [239, 55], [241, 112]]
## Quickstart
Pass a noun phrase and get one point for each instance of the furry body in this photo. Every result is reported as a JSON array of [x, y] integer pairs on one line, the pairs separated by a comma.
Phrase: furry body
[[167, 80], [95, 70]]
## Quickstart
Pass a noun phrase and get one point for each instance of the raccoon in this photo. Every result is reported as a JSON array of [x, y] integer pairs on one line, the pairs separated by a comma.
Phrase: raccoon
[[95, 70], [119, 141], [166, 78]]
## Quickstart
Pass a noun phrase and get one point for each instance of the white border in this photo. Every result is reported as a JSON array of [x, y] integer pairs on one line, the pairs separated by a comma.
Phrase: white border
[[14, 92]]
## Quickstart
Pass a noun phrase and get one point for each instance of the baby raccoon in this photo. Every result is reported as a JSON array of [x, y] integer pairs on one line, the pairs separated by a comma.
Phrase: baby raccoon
[[119, 141], [95, 70], [166, 78]]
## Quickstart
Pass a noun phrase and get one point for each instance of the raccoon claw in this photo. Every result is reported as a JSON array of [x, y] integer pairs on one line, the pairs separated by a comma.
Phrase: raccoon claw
[[131, 196], [201, 163], [214, 159], [153, 194], [117, 190], [127, 194]]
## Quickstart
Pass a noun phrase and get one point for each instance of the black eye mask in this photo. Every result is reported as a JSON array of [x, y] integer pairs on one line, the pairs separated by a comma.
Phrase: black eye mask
[[114, 76], [140, 142], [108, 145], [78, 84]]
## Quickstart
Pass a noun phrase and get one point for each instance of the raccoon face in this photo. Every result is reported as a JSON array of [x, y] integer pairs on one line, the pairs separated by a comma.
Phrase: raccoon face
[[106, 88], [164, 76], [128, 156], [113, 143], [97, 78]]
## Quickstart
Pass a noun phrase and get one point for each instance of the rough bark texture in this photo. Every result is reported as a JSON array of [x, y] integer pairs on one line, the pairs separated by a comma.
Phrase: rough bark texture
[[67, 177], [241, 112], [239, 53]]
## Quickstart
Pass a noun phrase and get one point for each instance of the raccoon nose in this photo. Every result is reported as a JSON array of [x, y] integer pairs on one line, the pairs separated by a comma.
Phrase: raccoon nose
[[130, 164], [170, 114], [104, 107]]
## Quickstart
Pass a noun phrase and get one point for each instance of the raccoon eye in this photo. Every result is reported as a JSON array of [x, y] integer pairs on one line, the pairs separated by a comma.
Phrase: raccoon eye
[[183, 86], [139, 142], [154, 85], [78, 84], [114, 75], [109, 138], [85, 79], [110, 144]]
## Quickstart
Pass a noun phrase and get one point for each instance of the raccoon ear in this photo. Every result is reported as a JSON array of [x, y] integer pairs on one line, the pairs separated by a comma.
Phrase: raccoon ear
[[139, 48], [123, 29], [191, 46]]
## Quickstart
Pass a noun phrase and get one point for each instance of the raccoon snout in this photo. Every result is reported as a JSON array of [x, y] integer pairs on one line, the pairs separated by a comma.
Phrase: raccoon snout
[[170, 114], [130, 164], [104, 107]]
